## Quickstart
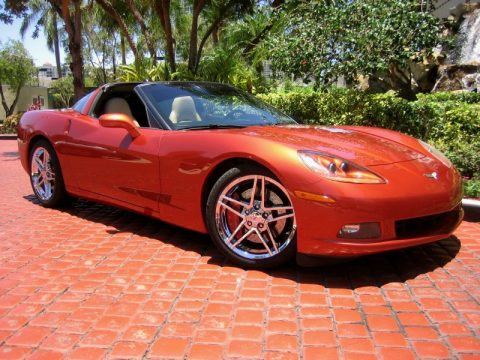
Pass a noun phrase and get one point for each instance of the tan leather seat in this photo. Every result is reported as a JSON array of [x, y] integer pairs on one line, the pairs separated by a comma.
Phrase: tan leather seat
[[119, 105], [183, 109]]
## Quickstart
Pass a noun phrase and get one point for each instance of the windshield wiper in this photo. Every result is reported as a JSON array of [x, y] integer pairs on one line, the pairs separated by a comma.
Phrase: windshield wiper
[[213, 126]]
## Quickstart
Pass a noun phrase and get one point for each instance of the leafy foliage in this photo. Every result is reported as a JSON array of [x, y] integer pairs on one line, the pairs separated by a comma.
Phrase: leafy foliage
[[16, 70], [9, 126], [144, 70], [329, 39], [12, 8], [450, 122], [62, 91], [471, 188]]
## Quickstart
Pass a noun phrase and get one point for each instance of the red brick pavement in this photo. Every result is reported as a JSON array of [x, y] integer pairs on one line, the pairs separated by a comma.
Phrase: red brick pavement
[[92, 281]]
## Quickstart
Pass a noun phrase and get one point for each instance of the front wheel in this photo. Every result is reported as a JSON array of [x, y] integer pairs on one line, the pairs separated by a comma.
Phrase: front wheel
[[251, 218], [46, 176]]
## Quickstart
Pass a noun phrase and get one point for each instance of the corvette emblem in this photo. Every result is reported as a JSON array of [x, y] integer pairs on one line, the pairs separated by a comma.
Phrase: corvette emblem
[[432, 175]]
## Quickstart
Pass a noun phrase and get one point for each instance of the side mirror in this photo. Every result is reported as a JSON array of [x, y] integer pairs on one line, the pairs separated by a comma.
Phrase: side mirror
[[118, 120]]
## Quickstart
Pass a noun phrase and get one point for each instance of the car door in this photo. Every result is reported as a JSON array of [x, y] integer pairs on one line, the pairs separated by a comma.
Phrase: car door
[[110, 162]]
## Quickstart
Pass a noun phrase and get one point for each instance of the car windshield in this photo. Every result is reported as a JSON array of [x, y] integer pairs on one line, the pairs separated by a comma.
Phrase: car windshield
[[209, 105]]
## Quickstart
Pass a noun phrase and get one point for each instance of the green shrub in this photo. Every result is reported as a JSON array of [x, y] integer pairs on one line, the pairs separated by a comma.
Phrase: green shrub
[[462, 96], [449, 121], [471, 188], [9, 125]]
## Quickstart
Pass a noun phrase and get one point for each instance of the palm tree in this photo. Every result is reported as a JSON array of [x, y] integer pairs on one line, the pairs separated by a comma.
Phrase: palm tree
[[43, 15]]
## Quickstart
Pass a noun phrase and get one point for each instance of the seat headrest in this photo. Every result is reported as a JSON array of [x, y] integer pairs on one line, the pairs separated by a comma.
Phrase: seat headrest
[[118, 105], [183, 109]]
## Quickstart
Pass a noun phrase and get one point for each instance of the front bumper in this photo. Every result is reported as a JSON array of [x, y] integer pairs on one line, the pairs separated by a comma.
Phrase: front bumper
[[411, 209]]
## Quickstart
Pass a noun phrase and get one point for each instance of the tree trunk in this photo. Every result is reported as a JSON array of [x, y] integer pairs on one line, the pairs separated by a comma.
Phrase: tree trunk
[[215, 35], [401, 81], [162, 8], [207, 34], [9, 109], [192, 54], [56, 44], [213, 29], [104, 69], [73, 26], [75, 47], [114, 58], [143, 27], [122, 49]]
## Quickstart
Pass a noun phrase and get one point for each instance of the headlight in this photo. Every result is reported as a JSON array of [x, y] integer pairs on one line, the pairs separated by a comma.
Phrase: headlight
[[338, 169], [436, 153]]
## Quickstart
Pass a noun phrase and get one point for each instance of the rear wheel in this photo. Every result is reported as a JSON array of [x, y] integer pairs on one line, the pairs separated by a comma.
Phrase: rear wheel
[[251, 218], [46, 176]]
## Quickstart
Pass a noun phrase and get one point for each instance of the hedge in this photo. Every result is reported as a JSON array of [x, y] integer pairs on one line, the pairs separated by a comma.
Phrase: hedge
[[9, 125], [449, 121]]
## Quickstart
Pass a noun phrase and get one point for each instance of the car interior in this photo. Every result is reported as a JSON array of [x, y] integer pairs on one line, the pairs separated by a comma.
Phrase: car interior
[[122, 99]]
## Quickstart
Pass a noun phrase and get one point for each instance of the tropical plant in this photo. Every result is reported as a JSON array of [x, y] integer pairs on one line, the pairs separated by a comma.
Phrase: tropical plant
[[42, 15], [144, 70], [9, 9], [16, 70]]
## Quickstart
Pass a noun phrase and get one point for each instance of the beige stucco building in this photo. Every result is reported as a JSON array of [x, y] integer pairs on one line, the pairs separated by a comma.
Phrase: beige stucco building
[[25, 99]]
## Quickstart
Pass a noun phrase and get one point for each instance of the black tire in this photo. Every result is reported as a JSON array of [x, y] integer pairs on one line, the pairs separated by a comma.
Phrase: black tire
[[231, 176], [58, 195]]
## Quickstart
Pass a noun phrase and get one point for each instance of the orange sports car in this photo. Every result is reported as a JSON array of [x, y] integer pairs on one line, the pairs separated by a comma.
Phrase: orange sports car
[[213, 159]]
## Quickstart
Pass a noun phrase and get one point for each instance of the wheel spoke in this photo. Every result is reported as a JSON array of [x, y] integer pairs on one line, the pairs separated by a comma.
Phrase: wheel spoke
[[286, 216], [263, 241], [48, 189], [254, 190], [279, 208], [38, 162], [233, 200], [230, 238], [262, 193], [46, 157], [230, 208], [50, 176], [272, 239], [243, 237]]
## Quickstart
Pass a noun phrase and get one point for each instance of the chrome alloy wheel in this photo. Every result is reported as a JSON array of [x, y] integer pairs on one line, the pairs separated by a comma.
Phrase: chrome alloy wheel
[[255, 217], [43, 176]]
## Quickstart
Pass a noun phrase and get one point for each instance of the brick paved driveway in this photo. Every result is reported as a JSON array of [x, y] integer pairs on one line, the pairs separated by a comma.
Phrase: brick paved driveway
[[92, 281]]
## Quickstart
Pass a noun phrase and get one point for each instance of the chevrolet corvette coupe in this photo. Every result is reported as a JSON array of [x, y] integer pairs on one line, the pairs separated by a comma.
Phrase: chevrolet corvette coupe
[[213, 159]]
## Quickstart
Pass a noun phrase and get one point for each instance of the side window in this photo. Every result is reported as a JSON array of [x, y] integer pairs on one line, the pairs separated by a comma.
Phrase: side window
[[80, 104]]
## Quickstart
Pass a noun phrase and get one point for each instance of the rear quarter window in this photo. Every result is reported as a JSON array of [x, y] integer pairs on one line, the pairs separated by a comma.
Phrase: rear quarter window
[[80, 104]]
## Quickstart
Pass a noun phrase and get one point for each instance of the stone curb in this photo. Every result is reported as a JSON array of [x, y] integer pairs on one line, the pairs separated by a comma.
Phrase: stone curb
[[472, 210], [8, 136], [471, 202]]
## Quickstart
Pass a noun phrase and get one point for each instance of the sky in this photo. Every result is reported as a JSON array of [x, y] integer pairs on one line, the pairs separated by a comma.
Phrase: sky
[[36, 47]]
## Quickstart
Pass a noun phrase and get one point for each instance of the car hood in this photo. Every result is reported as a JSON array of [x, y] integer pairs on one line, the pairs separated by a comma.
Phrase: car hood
[[357, 146]]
